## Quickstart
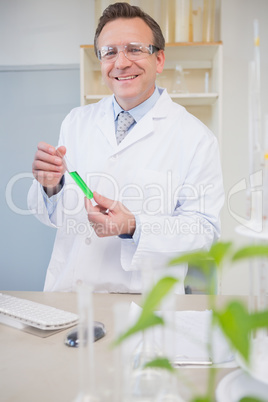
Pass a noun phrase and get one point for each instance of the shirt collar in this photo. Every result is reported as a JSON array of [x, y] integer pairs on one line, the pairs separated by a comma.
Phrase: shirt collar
[[139, 111]]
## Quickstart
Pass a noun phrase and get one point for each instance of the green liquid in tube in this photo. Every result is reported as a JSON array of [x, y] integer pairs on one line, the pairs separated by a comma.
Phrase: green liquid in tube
[[81, 184]]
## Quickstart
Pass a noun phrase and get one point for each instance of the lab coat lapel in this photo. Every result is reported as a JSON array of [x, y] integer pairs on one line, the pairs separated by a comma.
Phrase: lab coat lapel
[[147, 124], [105, 122], [143, 128]]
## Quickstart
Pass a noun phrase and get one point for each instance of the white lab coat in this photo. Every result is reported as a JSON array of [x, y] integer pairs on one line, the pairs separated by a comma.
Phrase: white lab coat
[[166, 171]]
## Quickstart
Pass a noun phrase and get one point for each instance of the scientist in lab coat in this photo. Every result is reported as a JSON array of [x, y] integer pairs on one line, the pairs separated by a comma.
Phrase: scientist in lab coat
[[157, 193]]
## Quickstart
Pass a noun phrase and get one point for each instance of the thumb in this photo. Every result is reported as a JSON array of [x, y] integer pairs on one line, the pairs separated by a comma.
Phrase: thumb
[[88, 205], [104, 202], [61, 151]]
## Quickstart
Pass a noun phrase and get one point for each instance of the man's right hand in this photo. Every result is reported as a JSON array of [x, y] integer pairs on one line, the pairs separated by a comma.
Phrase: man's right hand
[[48, 167]]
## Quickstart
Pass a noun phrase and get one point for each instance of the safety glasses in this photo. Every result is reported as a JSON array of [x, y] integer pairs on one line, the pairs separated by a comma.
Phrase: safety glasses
[[133, 51]]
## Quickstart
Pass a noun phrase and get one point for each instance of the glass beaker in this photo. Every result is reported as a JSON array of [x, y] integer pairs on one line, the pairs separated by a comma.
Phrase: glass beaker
[[179, 83]]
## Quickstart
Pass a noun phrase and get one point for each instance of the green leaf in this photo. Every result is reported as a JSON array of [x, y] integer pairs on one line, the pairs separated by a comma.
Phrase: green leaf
[[201, 261], [162, 363], [219, 251], [258, 320], [144, 322], [250, 399], [157, 294], [253, 251], [147, 317], [205, 260], [235, 323], [197, 258]]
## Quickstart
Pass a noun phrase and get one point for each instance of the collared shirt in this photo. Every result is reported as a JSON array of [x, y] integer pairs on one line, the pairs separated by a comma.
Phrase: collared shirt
[[138, 111]]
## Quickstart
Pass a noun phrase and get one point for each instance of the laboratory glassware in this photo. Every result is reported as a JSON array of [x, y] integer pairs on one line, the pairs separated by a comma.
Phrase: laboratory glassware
[[75, 175], [86, 369]]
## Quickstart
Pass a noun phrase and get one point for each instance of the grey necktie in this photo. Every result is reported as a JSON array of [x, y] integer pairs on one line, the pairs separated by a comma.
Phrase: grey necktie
[[125, 120]]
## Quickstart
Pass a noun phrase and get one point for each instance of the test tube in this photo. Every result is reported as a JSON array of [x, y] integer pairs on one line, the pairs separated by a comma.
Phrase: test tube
[[122, 353], [75, 176], [146, 383], [257, 98], [86, 371], [265, 179], [80, 182]]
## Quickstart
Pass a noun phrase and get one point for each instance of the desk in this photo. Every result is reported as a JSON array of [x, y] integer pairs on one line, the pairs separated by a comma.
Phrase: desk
[[35, 369]]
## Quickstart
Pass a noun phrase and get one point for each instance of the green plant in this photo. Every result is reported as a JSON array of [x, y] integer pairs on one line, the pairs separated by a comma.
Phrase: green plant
[[234, 319]]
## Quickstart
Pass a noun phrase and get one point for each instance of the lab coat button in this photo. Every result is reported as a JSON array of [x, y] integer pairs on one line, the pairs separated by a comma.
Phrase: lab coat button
[[114, 157], [88, 241]]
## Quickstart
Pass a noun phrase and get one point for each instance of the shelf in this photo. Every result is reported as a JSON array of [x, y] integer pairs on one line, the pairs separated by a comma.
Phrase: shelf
[[195, 99], [95, 98]]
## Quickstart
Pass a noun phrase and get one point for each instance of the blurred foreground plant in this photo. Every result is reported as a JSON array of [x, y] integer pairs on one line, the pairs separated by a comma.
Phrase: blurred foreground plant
[[234, 319]]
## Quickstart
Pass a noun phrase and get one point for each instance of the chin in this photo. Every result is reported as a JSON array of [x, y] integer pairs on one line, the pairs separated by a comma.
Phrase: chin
[[126, 94]]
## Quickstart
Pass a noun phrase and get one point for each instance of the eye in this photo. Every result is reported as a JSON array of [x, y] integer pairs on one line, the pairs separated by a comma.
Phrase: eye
[[135, 49], [109, 52]]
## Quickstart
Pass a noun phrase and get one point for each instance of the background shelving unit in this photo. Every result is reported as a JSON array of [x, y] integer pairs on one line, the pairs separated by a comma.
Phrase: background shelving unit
[[204, 100]]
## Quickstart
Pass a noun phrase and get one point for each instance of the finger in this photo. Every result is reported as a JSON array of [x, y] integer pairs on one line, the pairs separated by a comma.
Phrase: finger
[[93, 210], [47, 179], [99, 220], [48, 158], [88, 205], [105, 203], [61, 151], [48, 167], [47, 148]]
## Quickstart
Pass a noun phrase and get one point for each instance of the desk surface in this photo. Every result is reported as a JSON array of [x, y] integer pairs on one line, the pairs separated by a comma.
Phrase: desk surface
[[44, 369]]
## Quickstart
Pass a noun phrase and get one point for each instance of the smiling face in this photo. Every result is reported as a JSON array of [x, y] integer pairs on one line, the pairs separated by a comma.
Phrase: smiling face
[[131, 82]]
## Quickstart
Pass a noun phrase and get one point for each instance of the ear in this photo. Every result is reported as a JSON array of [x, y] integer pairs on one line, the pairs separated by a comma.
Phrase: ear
[[160, 61]]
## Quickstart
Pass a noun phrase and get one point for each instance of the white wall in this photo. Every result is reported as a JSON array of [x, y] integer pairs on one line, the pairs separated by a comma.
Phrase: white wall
[[44, 32], [35, 32]]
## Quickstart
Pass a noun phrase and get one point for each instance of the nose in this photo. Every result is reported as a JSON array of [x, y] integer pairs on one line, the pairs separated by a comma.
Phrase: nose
[[122, 61]]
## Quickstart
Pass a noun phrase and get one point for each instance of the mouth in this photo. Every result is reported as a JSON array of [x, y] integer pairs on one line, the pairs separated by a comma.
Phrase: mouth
[[129, 77]]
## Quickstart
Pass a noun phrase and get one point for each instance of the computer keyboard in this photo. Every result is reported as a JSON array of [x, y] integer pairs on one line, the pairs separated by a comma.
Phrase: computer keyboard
[[35, 314]]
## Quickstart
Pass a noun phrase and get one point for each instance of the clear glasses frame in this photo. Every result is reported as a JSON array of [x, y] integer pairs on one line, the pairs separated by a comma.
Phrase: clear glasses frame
[[133, 51]]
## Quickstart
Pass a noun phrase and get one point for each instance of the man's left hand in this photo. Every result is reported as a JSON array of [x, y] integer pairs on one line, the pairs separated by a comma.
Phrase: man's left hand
[[109, 217]]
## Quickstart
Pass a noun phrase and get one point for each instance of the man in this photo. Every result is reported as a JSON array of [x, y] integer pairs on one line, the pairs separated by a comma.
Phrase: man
[[157, 191]]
